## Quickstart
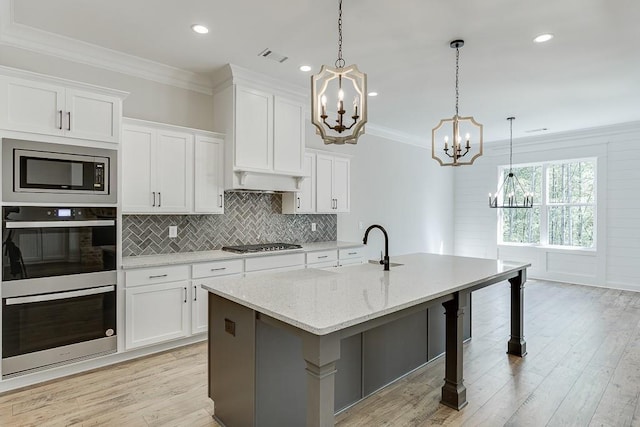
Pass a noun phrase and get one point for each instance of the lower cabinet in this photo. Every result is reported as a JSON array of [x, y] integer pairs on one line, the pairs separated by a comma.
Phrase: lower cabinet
[[157, 313], [199, 309]]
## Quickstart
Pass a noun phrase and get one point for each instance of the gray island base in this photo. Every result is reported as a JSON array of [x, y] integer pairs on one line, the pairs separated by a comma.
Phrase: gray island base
[[290, 348]]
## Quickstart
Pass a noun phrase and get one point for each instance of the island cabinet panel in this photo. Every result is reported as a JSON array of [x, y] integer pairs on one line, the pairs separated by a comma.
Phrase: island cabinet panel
[[281, 379], [232, 370], [349, 375], [391, 350]]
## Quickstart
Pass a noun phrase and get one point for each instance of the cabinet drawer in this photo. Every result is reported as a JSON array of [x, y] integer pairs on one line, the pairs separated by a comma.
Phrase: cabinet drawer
[[146, 276], [322, 256], [216, 268], [275, 261], [351, 253]]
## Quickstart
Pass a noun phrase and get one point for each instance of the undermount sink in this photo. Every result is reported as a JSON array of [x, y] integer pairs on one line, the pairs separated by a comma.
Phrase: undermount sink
[[391, 264]]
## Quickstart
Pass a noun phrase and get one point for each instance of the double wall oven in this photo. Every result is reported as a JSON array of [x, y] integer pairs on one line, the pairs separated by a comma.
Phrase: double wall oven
[[58, 285]]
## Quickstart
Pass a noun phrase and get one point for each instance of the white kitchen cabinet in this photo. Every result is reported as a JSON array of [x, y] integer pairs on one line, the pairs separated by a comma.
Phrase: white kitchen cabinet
[[348, 256], [288, 136], [203, 273], [332, 183], [156, 313], [253, 145], [264, 125], [156, 170], [208, 178], [304, 200], [322, 259], [45, 105]]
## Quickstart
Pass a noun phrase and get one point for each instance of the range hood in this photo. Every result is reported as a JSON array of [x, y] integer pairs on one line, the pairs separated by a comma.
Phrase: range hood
[[263, 182], [264, 124]]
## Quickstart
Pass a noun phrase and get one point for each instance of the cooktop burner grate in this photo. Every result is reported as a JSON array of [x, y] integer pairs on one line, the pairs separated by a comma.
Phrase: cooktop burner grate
[[262, 247]]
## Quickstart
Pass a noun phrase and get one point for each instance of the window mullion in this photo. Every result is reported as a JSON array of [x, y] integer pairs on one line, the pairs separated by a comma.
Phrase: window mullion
[[544, 210]]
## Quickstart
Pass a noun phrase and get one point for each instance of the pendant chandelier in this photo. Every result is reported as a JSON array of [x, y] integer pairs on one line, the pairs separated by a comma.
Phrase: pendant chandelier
[[467, 126], [334, 86], [511, 191]]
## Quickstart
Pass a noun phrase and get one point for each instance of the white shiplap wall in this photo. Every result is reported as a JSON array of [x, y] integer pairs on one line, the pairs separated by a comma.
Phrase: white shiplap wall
[[616, 260]]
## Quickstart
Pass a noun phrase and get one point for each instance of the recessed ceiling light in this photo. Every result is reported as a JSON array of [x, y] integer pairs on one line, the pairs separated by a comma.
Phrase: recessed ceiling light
[[200, 29], [305, 68], [543, 38], [373, 94]]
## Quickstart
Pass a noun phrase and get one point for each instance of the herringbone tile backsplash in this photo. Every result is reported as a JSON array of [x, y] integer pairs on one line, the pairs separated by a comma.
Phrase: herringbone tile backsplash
[[249, 218]]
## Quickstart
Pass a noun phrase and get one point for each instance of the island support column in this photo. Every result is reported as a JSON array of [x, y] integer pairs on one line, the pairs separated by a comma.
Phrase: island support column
[[454, 392], [320, 353], [517, 345]]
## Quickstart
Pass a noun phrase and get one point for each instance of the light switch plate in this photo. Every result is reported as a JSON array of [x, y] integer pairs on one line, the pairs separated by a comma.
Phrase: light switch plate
[[173, 231]]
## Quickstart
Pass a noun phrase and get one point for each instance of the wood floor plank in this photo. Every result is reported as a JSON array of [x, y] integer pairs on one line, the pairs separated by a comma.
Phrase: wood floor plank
[[583, 368]]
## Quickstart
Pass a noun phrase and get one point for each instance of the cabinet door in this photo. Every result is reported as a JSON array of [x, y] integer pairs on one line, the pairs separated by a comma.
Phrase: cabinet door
[[174, 176], [209, 194], [31, 106], [324, 191], [199, 309], [306, 202], [341, 184], [92, 116], [288, 136], [156, 313], [253, 148], [138, 145]]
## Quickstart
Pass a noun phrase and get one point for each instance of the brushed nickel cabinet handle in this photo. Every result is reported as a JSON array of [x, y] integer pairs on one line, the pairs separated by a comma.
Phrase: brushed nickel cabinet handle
[[157, 276], [159, 199], [60, 127], [219, 269], [323, 256], [195, 293], [298, 202], [69, 122], [220, 205], [185, 294]]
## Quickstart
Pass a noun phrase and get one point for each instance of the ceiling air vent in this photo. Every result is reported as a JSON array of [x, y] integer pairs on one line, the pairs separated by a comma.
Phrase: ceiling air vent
[[274, 56]]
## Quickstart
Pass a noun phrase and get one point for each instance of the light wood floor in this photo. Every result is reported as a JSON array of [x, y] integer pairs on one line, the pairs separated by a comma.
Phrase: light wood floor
[[582, 369]]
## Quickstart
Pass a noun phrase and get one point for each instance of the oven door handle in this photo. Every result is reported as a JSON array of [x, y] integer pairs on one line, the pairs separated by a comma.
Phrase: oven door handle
[[60, 295], [53, 224]]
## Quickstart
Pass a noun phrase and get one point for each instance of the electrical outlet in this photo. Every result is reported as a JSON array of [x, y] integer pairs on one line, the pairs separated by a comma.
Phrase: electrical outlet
[[313, 226], [173, 231]]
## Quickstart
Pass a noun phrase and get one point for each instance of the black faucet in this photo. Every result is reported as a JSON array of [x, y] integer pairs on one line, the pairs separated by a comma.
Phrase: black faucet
[[385, 260]]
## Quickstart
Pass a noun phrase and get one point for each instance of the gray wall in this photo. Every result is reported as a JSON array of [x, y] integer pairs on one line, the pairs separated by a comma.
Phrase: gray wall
[[249, 218]]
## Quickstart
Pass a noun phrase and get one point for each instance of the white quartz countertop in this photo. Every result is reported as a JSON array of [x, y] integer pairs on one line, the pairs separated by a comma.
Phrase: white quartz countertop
[[205, 256], [321, 301]]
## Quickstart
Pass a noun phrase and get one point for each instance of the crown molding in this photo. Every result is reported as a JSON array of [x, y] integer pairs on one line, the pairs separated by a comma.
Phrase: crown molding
[[395, 135], [24, 37]]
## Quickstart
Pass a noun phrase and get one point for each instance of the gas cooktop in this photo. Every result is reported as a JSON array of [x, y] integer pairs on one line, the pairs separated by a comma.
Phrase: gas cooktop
[[262, 247]]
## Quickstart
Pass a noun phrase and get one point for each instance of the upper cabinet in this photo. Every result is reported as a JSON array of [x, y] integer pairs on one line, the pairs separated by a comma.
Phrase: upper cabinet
[[161, 173], [327, 190], [34, 103], [333, 174], [304, 200], [264, 125]]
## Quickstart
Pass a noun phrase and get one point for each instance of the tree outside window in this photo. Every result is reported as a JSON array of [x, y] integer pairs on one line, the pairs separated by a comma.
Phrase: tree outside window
[[564, 214]]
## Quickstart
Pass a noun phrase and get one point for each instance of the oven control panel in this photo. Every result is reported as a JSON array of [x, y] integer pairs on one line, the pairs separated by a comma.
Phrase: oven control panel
[[65, 213]]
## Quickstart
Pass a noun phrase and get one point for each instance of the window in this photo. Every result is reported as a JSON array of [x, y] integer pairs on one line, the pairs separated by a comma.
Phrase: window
[[564, 205]]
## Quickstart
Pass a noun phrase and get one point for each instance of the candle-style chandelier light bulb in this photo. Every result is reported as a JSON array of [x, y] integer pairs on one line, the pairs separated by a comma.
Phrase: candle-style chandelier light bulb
[[339, 126], [505, 197], [454, 154]]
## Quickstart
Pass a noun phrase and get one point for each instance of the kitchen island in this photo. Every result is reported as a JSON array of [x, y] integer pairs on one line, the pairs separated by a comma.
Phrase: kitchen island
[[267, 332]]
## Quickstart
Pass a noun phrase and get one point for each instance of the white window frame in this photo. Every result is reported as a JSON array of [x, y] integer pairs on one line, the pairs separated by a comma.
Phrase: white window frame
[[544, 206]]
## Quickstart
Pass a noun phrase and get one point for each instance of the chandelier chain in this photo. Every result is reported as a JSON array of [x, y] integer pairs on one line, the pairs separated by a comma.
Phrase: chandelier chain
[[340, 61], [457, 72], [510, 143]]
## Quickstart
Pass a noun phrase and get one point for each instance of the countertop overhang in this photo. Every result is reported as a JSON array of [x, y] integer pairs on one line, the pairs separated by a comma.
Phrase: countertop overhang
[[322, 301]]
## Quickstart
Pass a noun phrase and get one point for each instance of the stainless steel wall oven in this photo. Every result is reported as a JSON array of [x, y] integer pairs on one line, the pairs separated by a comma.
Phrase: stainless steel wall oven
[[58, 285]]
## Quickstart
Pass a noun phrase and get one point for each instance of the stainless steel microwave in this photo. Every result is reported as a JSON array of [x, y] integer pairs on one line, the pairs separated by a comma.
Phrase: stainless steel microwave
[[52, 173]]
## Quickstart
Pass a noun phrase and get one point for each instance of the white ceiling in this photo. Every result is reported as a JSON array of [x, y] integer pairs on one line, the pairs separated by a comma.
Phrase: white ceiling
[[587, 76]]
